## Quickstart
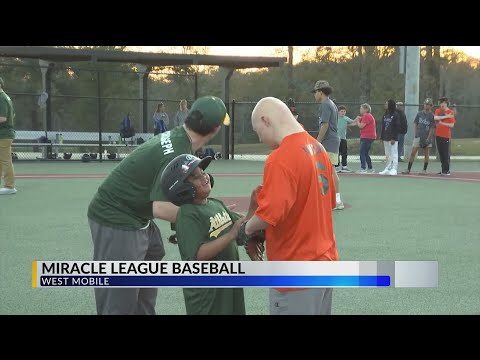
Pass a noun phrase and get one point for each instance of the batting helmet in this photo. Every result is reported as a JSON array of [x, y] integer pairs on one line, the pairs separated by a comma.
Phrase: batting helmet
[[173, 180]]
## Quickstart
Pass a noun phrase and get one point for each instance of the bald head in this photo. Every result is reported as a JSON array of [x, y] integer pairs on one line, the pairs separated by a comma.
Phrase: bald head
[[272, 120], [274, 109]]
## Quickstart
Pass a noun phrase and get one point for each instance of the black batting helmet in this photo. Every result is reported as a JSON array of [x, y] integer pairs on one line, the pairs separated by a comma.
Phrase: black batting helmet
[[174, 176]]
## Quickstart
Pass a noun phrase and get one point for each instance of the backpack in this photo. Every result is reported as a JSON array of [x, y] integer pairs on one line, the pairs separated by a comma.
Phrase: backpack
[[403, 128], [126, 129], [209, 152]]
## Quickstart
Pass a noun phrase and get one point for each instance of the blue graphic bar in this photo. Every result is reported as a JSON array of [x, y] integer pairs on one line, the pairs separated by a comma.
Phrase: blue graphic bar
[[216, 281]]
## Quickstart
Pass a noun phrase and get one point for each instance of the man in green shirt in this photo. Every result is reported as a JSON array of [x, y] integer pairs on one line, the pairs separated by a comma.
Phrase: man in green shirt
[[121, 212], [206, 231], [7, 135]]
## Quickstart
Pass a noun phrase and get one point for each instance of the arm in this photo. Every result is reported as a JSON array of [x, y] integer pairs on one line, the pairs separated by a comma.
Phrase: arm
[[253, 202], [353, 122], [167, 120], [360, 125], [325, 114], [276, 198], [443, 117], [382, 130], [255, 224], [165, 210], [450, 125], [210, 249], [177, 119], [431, 134], [322, 132], [3, 111]]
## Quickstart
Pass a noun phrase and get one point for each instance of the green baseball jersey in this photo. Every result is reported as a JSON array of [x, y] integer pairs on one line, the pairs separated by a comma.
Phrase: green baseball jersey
[[6, 110], [124, 199], [197, 225]]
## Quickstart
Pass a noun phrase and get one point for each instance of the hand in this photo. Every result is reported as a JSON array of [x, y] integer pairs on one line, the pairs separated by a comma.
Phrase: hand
[[234, 231], [243, 238]]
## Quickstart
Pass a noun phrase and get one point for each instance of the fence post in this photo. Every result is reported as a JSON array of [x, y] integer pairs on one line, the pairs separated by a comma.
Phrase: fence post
[[196, 86], [228, 72], [99, 115], [232, 134]]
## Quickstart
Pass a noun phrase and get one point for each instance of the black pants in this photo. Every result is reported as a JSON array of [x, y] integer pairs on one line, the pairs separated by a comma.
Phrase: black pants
[[342, 150], [443, 145]]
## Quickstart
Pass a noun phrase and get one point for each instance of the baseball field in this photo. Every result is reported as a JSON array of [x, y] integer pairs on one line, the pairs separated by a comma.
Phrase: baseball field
[[408, 217]]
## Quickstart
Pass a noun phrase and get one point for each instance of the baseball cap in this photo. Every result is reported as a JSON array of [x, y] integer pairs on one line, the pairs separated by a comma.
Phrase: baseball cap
[[321, 84], [1, 82], [428, 101], [212, 110]]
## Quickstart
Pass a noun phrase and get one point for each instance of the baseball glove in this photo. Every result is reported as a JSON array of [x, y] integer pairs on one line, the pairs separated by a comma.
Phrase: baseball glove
[[255, 247], [253, 244]]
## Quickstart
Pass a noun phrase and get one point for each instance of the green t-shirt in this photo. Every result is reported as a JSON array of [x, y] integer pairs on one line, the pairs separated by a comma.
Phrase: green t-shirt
[[6, 110], [343, 122], [124, 199], [199, 224]]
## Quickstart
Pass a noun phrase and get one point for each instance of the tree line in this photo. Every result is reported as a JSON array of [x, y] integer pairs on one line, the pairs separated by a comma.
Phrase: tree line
[[358, 74]]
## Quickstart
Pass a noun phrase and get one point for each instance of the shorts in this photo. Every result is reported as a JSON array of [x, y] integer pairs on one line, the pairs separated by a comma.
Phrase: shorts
[[416, 143], [333, 157]]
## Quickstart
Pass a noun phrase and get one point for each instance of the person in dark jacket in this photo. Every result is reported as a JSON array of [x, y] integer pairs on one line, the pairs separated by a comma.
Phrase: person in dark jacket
[[389, 136]]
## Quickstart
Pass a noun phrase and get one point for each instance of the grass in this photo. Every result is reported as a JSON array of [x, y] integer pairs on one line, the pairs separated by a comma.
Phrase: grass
[[465, 147], [459, 147], [391, 219]]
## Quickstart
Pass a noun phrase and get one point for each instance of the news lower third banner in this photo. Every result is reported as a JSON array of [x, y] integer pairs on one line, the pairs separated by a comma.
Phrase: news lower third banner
[[235, 274]]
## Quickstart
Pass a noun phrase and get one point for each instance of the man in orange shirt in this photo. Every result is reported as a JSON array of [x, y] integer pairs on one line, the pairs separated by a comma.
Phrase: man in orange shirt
[[295, 204], [445, 119]]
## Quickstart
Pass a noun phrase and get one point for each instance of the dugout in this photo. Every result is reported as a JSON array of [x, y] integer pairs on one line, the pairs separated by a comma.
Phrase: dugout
[[49, 56]]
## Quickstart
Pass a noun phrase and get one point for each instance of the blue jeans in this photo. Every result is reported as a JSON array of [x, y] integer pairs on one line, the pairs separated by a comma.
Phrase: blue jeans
[[401, 140], [365, 145]]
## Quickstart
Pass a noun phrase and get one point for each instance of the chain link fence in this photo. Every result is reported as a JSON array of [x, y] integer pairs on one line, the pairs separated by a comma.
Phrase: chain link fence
[[85, 106], [465, 136], [83, 111]]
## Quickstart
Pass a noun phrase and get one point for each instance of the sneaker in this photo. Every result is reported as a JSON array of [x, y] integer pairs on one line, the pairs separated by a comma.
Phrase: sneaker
[[384, 172], [446, 174], [346, 169], [339, 206], [362, 171], [371, 171], [338, 169], [423, 172], [392, 172], [8, 191], [406, 172]]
